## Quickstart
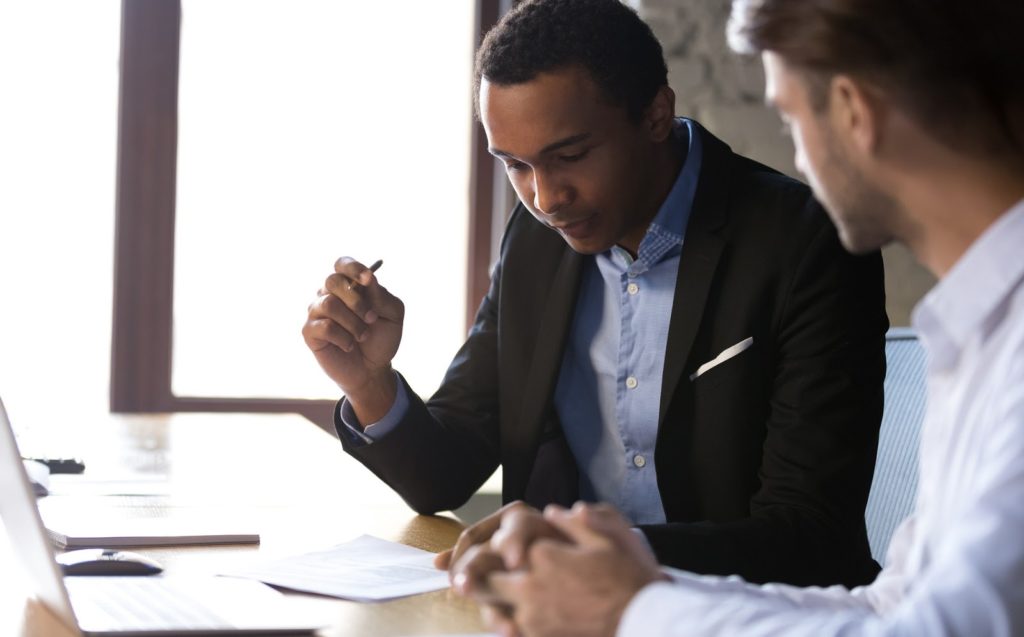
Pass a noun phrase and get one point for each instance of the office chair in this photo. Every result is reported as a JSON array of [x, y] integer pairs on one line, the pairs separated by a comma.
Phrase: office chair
[[894, 487]]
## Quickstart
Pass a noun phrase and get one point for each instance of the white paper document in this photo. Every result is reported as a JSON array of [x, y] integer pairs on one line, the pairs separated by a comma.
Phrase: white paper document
[[82, 486], [365, 569]]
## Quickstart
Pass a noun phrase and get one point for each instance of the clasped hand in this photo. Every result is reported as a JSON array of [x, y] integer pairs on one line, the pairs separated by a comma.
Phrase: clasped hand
[[561, 572]]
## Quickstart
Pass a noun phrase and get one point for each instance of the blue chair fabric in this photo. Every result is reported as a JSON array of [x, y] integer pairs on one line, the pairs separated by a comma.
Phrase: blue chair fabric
[[894, 487]]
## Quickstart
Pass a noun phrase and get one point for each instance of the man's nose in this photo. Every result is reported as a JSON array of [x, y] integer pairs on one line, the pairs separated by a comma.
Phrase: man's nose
[[549, 196]]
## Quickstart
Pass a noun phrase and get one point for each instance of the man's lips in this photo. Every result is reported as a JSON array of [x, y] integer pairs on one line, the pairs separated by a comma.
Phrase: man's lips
[[576, 229]]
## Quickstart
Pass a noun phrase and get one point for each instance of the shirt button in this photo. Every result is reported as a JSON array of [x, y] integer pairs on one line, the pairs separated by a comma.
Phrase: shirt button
[[639, 461], [632, 288], [631, 382]]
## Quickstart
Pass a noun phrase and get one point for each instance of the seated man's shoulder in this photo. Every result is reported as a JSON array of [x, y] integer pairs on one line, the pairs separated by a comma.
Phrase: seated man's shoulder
[[775, 220], [765, 194]]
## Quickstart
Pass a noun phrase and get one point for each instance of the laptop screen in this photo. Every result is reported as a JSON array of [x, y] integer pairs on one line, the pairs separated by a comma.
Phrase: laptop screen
[[25, 528]]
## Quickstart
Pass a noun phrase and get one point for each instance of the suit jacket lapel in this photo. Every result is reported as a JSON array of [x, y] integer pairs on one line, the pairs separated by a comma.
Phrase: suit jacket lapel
[[702, 248], [538, 387]]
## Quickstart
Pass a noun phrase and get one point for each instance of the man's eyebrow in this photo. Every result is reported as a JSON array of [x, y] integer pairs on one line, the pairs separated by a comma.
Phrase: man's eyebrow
[[562, 143]]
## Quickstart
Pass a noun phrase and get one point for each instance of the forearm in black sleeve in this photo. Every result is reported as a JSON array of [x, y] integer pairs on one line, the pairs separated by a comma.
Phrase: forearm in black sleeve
[[443, 450]]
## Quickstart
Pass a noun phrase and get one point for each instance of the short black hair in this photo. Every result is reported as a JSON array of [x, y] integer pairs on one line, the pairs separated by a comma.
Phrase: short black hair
[[605, 37]]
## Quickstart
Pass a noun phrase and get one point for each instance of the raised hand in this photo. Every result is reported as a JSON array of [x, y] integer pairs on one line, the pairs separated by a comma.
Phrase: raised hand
[[354, 328]]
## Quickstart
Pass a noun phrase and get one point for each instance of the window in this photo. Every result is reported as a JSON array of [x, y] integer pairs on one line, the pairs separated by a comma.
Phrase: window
[[289, 135], [307, 131], [58, 123]]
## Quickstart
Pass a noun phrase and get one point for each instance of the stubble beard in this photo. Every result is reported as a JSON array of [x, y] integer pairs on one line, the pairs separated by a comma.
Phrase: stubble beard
[[864, 215]]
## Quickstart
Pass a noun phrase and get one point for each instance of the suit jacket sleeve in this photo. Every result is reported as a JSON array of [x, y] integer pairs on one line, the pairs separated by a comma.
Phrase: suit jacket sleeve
[[806, 517], [443, 450]]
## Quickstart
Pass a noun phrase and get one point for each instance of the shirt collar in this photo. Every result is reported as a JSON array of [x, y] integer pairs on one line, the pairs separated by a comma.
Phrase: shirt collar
[[960, 305], [668, 228]]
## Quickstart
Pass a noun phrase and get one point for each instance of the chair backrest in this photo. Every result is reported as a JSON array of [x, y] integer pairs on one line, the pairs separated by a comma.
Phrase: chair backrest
[[894, 487]]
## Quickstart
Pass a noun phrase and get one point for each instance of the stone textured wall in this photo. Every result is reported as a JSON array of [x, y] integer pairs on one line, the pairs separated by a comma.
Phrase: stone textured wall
[[725, 92]]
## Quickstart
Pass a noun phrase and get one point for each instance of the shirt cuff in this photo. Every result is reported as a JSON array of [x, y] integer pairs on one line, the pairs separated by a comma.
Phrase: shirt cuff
[[650, 612], [377, 430]]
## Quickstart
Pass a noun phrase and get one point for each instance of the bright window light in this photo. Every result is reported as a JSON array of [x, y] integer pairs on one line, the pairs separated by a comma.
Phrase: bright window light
[[58, 126], [307, 131]]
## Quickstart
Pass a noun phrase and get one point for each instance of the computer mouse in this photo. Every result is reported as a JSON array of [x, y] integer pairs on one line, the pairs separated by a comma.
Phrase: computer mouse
[[106, 562]]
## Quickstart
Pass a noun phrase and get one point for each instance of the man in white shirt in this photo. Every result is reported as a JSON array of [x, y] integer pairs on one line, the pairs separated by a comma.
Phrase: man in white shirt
[[908, 121]]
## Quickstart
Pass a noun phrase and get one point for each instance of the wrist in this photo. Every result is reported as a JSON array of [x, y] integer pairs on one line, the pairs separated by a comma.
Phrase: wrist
[[372, 400]]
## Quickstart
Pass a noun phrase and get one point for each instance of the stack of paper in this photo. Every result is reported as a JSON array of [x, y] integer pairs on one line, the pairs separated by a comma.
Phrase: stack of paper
[[365, 569], [105, 533]]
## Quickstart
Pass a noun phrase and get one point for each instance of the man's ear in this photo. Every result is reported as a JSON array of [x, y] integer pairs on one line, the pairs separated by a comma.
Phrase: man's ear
[[660, 115], [857, 114]]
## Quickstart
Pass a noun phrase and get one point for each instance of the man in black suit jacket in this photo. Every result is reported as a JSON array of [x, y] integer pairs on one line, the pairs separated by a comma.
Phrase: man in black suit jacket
[[771, 387]]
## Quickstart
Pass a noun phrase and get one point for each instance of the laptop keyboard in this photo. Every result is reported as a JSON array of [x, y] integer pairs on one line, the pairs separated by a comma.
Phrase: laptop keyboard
[[138, 603]]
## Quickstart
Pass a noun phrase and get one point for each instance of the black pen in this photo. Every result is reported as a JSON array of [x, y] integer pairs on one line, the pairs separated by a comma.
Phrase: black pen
[[373, 268]]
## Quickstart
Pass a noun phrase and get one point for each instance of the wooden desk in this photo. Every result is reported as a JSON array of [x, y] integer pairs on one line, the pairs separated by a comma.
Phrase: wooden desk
[[280, 473]]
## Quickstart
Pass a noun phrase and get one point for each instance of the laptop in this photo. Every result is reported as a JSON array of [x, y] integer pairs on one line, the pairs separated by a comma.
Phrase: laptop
[[132, 605]]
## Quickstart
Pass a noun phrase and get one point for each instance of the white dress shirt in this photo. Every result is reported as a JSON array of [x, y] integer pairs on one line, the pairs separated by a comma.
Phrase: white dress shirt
[[956, 566]]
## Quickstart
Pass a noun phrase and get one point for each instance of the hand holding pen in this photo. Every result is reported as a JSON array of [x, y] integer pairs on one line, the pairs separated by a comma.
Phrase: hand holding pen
[[354, 328], [373, 268]]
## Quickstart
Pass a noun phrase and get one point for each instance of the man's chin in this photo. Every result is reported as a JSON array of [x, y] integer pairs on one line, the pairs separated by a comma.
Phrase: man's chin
[[860, 242], [588, 246]]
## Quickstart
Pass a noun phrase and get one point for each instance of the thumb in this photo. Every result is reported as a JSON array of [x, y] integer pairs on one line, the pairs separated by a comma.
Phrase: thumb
[[443, 560], [574, 525], [603, 518]]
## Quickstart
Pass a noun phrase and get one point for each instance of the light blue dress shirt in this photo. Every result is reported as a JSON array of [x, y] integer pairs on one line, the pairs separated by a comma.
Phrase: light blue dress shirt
[[609, 389]]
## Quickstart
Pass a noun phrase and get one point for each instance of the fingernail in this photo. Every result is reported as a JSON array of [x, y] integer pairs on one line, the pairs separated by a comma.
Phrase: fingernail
[[459, 583], [362, 336], [370, 317]]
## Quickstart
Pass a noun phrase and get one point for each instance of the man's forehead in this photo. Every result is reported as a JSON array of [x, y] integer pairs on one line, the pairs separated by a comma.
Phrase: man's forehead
[[529, 116], [771, 62], [549, 92], [526, 118], [786, 86]]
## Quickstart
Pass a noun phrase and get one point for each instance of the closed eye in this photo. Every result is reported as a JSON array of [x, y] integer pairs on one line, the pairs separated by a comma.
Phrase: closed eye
[[574, 157], [514, 165]]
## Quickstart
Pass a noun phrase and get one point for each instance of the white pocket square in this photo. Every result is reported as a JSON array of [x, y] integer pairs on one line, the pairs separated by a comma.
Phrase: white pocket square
[[726, 354]]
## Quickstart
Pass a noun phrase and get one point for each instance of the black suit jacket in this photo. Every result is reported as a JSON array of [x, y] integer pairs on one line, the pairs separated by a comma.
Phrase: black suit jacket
[[764, 462]]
